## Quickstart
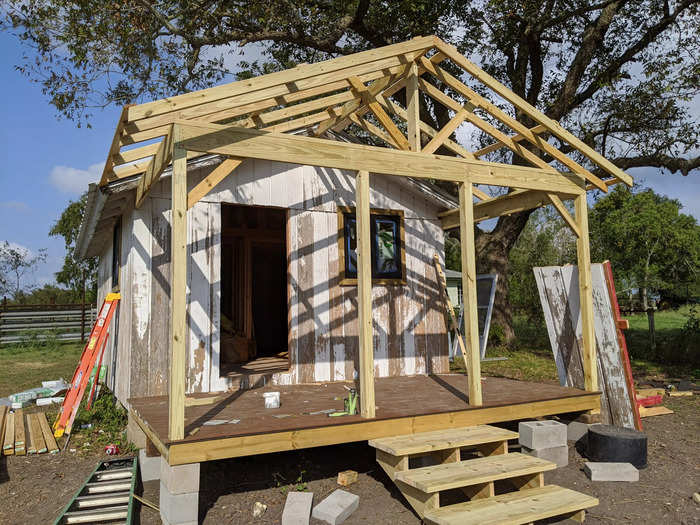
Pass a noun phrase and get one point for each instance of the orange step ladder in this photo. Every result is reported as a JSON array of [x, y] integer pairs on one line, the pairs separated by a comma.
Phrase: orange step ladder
[[92, 351]]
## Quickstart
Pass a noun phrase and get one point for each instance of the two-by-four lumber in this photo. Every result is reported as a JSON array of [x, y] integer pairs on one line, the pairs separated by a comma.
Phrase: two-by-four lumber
[[559, 205], [211, 180], [471, 315], [364, 295], [178, 288], [413, 108], [107, 172], [38, 441], [155, 168], [20, 434], [532, 112], [8, 444], [585, 283], [243, 142], [4, 413], [515, 138], [49, 438]]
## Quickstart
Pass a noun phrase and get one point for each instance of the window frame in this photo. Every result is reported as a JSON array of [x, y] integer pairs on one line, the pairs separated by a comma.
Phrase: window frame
[[344, 280]]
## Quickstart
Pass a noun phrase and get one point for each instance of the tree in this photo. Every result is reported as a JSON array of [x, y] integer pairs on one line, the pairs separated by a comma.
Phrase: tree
[[15, 262], [77, 274], [651, 244], [618, 73]]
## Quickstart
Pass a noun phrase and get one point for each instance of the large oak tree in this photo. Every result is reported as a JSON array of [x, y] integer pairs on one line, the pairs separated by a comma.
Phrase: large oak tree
[[620, 74]]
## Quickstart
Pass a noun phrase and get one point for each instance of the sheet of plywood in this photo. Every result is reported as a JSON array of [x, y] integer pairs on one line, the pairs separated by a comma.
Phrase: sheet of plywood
[[559, 295]]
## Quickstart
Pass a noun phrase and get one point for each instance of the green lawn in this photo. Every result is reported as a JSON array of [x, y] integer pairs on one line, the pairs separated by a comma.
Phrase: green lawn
[[672, 345], [26, 367]]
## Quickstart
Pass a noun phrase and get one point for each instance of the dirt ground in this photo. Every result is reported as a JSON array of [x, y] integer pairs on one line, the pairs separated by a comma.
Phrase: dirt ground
[[33, 489]]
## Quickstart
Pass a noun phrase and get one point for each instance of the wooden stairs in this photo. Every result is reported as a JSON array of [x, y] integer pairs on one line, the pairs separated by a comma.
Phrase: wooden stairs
[[528, 500]]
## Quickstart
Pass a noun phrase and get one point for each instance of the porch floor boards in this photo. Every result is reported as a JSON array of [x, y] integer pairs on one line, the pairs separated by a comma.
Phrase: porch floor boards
[[396, 397]]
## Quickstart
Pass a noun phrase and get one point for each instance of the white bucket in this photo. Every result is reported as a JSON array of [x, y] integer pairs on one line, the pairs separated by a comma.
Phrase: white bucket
[[272, 399]]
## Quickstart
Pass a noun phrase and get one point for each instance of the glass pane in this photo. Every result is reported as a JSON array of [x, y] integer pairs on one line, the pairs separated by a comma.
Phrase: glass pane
[[350, 246], [387, 241], [483, 291]]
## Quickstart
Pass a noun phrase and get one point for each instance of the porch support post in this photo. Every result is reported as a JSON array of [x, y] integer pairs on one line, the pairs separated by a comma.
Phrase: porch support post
[[178, 295], [364, 294], [466, 224], [590, 365], [412, 108]]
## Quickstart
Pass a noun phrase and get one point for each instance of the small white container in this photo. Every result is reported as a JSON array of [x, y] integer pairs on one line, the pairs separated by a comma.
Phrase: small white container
[[272, 399]]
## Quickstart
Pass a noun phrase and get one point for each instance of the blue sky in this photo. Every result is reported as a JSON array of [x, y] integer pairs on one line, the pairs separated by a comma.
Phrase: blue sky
[[48, 162]]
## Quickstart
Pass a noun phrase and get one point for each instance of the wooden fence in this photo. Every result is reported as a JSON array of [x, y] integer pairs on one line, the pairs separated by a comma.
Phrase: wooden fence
[[64, 322]]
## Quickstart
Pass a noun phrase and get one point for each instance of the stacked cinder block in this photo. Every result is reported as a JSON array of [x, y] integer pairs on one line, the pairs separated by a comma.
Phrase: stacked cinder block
[[545, 440]]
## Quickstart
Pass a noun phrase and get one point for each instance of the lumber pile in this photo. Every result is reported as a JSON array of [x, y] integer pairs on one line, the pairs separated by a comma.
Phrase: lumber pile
[[25, 433]]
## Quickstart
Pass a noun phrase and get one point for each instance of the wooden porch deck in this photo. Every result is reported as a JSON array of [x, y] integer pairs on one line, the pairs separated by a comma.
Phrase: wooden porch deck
[[405, 405]]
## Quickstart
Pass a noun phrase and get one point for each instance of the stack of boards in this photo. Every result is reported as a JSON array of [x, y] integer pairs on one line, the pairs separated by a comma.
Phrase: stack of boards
[[25, 434]]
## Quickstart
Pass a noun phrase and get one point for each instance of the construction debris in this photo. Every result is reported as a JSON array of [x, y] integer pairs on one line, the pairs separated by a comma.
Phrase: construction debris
[[336, 508], [297, 508], [611, 471], [259, 509], [347, 477]]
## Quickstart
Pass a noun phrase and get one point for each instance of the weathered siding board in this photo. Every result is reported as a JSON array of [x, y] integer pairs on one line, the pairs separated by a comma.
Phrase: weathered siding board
[[139, 293], [159, 359], [559, 294], [123, 337]]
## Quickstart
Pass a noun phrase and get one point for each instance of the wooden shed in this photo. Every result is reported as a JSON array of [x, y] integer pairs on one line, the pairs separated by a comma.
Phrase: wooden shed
[[256, 243]]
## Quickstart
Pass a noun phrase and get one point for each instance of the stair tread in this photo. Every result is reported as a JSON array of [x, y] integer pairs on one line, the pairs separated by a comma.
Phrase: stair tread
[[514, 508], [473, 471], [441, 440]]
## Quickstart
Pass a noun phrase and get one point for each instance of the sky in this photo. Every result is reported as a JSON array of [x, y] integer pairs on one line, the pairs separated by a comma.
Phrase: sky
[[48, 162]]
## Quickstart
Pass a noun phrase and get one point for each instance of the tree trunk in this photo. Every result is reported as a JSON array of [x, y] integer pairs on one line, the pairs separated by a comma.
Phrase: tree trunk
[[492, 256]]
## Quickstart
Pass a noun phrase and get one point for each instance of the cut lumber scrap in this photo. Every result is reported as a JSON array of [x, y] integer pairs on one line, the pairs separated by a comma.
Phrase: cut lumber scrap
[[4, 415], [648, 392], [8, 445], [473, 472], [654, 411], [20, 434], [681, 393], [515, 508], [46, 433], [442, 440]]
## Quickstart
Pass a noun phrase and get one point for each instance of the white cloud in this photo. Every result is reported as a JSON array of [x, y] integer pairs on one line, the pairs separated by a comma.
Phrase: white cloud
[[75, 180], [15, 206]]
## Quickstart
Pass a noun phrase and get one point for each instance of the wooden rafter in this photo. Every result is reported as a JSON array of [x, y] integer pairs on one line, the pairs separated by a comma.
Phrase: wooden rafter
[[222, 171], [570, 221], [447, 130], [515, 138], [155, 167]]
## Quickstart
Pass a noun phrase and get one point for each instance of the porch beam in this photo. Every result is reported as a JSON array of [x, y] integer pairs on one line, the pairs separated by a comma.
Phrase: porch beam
[[466, 222], [242, 142], [210, 181], [178, 297], [583, 251], [364, 295]]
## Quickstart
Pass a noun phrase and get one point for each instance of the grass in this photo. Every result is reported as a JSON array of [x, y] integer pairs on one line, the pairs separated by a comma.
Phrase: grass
[[23, 367]]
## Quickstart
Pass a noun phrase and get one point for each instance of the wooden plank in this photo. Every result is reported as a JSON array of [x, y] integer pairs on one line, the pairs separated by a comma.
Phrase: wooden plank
[[210, 181], [107, 171], [367, 60], [514, 508], [441, 440], [37, 436], [570, 221], [136, 154], [46, 433], [178, 287], [473, 472], [532, 112], [373, 130], [446, 131], [4, 417], [244, 142], [20, 434], [583, 252], [654, 411], [31, 441], [515, 138], [471, 319], [155, 168], [8, 445], [413, 108], [364, 295]]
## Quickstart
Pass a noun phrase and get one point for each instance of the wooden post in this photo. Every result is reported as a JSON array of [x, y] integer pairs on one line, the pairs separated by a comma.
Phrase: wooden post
[[471, 319], [413, 108], [583, 250], [364, 294], [178, 295]]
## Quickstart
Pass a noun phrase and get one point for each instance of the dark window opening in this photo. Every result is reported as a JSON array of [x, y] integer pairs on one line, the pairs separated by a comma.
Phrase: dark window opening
[[116, 253]]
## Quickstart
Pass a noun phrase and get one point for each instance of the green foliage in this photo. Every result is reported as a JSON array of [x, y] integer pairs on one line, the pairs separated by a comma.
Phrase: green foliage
[[15, 263], [107, 420], [497, 335], [651, 245], [79, 275], [453, 254], [47, 294]]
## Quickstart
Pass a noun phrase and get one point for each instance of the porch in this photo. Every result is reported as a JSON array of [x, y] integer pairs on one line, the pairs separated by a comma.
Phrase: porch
[[404, 405]]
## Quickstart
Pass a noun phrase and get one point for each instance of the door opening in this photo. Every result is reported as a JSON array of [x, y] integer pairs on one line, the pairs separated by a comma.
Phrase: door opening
[[253, 289]]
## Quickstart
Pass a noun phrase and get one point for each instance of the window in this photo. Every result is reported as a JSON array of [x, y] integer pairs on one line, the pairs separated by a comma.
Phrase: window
[[116, 253], [387, 241]]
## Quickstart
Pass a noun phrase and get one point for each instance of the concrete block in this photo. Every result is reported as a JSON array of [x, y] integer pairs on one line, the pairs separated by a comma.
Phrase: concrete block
[[337, 507], [148, 467], [178, 509], [597, 471], [166, 522], [558, 455], [297, 508], [576, 430], [542, 434], [179, 479]]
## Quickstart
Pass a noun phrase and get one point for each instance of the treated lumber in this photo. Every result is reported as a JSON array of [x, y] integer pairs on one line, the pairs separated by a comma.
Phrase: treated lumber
[[446, 131], [20, 434], [480, 194], [413, 108], [210, 181], [471, 319], [8, 445], [515, 138], [37, 436], [559, 205], [107, 171], [372, 60], [155, 168], [131, 155], [242, 142], [552, 126], [364, 295], [654, 411], [4, 416], [583, 252], [129, 171], [373, 130], [178, 289], [48, 436]]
